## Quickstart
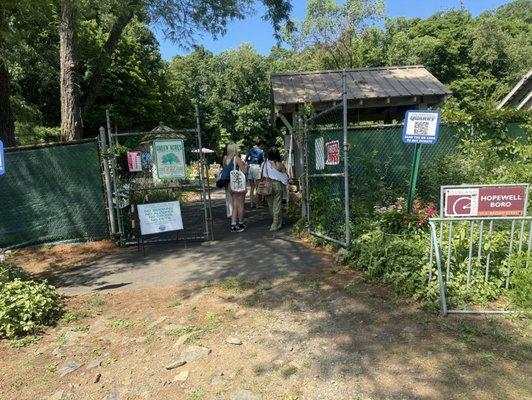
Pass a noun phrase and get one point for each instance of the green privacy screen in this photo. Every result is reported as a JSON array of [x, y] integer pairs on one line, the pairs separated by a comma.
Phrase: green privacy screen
[[52, 194]]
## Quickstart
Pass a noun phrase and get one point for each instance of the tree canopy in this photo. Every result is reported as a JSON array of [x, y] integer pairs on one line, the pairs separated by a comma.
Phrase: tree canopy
[[479, 58]]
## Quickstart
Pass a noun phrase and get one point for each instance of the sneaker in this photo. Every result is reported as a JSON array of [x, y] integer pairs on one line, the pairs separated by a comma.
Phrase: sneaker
[[236, 228], [242, 226]]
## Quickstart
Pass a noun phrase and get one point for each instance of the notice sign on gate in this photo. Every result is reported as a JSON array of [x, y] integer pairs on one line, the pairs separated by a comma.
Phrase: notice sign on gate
[[484, 201], [333, 152], [421, 126], [134, 161], [2, 163], [170, 158], [160, 217]]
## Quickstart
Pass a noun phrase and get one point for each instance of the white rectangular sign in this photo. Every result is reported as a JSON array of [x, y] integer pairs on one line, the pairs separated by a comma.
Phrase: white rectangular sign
[[421, 126], [160, 217], [319, 154]]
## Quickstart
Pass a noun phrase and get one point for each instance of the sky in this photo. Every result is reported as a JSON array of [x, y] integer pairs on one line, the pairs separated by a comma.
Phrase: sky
[[260, 33]]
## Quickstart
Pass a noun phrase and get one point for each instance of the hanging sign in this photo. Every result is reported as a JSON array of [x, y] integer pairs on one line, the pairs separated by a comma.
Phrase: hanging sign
[[160, 217], [2, 159], [134, 161], [421, 126], [485, 201], [319, 155], [333, 152], [170, 158]]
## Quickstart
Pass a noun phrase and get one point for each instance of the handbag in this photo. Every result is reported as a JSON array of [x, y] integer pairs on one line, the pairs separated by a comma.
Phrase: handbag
[[223, 177], [265, 186], [237, 180]]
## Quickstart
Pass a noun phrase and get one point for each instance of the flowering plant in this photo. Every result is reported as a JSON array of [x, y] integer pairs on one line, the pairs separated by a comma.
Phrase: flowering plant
[[395, 218]]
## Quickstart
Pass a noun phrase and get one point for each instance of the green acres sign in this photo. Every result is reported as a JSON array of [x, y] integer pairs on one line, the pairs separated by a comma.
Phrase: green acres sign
[[169, 158]]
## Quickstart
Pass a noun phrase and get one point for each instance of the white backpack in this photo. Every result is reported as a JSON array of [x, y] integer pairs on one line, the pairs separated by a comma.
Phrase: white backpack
[[237, 180]]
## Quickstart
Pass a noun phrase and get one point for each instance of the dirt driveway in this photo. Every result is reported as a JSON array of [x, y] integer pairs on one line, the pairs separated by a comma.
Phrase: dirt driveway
[[327, 335]]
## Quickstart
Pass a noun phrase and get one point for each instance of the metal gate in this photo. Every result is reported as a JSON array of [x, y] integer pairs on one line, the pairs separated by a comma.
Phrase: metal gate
[[326, 170], [125, 190]]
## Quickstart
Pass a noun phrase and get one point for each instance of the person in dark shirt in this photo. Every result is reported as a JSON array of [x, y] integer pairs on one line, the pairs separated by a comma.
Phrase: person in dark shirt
[[254, 160]]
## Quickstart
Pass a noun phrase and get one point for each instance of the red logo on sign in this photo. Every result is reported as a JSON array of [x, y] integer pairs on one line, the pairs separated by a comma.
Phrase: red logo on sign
[[485, 201], [333, 152]]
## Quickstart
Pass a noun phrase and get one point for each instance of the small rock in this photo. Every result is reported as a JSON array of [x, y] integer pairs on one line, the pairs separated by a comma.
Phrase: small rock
[[240, 313], [176, 364], [97, 377], [181, 341], [182, 376], [57, 395], [57, 353], [193, 353], [290, 348], [113, 395], [68, 367], [158, 322], [93, 364], [217, 378], [234, 340], [244, 395]]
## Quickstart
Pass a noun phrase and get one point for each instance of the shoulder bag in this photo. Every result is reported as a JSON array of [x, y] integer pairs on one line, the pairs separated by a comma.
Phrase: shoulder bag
[[265, 187]]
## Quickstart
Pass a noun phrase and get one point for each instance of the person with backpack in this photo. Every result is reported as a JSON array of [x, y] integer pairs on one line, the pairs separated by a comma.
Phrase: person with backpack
[[254, 160], [234, 179], [274, 178]]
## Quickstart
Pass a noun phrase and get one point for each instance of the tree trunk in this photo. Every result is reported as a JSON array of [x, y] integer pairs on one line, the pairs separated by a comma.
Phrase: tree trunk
[[70, 112], [104, 60], [7, 122]]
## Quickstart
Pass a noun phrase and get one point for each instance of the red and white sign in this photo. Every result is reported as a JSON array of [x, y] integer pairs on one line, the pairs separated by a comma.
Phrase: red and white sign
[[485, 201], [134, 161], [333, 152]]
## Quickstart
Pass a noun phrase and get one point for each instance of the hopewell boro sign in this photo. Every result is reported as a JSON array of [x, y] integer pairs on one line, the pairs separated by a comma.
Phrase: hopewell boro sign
[[484, 201]]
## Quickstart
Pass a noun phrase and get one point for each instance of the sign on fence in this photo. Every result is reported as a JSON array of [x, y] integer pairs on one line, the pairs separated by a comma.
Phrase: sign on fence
[[160, 217], [170, 158], [2, 158], [484, 201], [134, 161], [333, 152], [421, 126], [319, 155]]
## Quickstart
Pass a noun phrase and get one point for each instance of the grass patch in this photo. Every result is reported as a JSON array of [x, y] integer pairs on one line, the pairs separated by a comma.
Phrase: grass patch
[[80, 328], [196, 394], [233, 284], [95, 353], [150, 336], [312, 284], [176, 304], [23, 342], [73, 316], [194, 337], [182, 331], [288, 371], [95, 300], [121, 323], [50, 368]]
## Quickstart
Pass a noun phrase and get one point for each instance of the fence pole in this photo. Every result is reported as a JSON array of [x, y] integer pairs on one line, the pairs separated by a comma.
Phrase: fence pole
[[113, 166], [346, 161], [204, 190], [413, 177], [107, 181]]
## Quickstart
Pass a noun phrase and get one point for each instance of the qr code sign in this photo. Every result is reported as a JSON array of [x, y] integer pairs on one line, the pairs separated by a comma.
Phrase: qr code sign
[[421, 128]]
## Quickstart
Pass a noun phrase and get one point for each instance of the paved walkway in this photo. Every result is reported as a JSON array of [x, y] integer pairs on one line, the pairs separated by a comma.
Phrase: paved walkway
[[254, 254]]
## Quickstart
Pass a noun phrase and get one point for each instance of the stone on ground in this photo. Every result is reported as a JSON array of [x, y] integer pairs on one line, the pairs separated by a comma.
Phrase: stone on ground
[[244, 395], [68, 367], [182, 376], [234, 340], [193, 353], [176, 364]]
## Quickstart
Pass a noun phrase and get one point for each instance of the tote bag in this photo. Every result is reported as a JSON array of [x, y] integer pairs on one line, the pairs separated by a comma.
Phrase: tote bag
[[265, 187], [237, 180]]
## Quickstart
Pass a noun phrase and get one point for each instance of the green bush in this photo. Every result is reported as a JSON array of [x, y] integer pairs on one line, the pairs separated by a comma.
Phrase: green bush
[[25, 304], [395, 249]]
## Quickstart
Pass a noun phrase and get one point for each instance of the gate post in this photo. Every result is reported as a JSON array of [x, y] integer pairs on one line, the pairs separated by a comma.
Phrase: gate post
[[346, 161], [107, 181]]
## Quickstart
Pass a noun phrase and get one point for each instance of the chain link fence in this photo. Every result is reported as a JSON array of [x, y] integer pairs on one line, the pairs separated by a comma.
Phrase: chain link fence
[[52, 194]]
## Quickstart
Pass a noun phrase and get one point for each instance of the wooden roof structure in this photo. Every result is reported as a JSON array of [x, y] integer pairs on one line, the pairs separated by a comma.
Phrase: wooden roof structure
[[520, 97], [376, 93]]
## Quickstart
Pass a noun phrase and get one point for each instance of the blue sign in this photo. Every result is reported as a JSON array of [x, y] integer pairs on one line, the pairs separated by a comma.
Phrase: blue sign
[[2, 159], [421, 126]]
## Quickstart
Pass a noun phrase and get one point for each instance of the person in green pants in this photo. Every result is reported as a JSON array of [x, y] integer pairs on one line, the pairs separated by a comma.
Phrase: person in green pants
[[274, 170]]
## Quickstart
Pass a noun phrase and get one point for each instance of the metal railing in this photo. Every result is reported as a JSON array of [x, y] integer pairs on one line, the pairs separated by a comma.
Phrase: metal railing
[[481, 259]]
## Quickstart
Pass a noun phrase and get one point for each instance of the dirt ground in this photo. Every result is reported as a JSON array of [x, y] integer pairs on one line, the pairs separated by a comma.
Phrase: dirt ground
[[327, 335]]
